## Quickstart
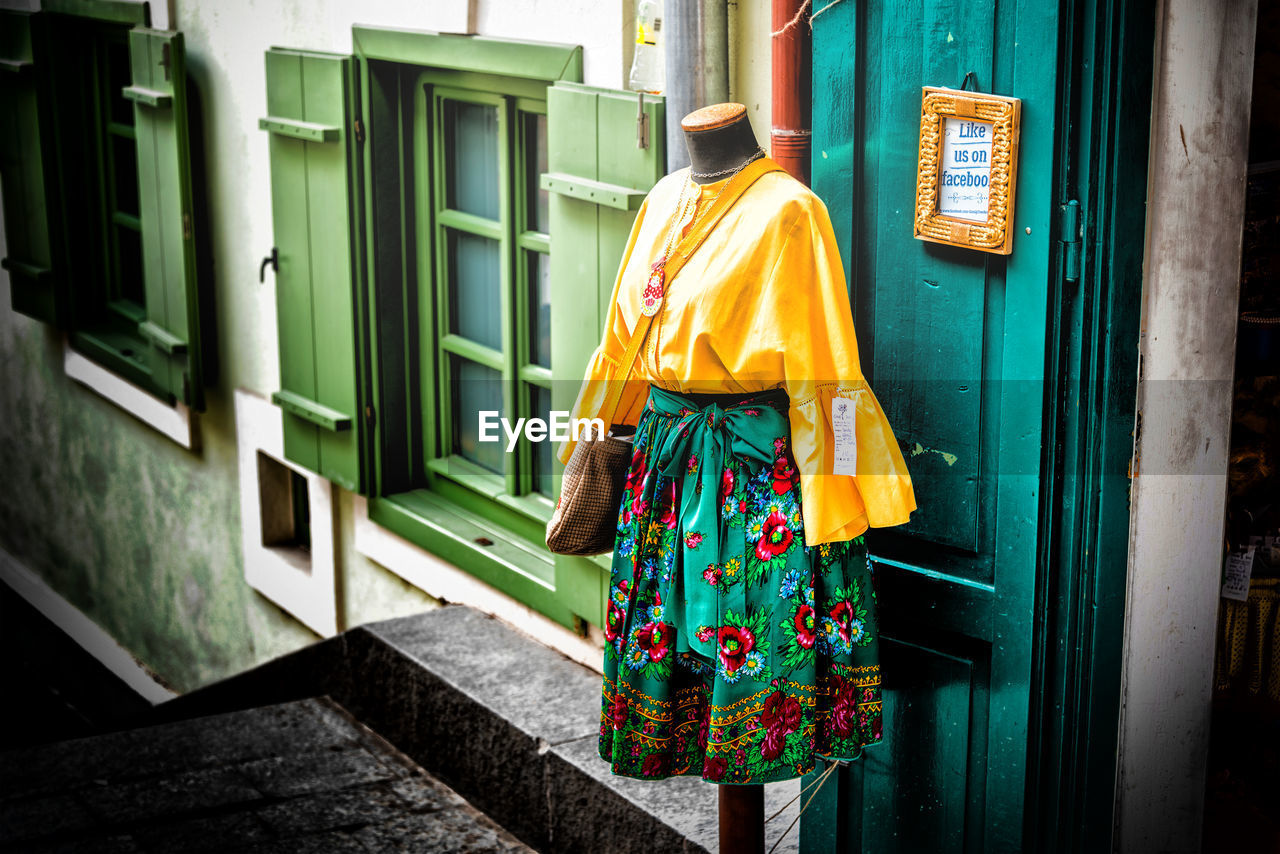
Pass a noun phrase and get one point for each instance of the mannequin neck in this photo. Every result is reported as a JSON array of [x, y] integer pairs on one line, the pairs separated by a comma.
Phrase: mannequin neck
[[716, 149]]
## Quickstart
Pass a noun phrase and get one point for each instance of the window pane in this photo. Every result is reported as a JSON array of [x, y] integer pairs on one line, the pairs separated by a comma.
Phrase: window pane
[[475, 288], [125, 163], [542, 450], [471, 156], [535, 146], [539, 308], [475, 389], [118, 77]]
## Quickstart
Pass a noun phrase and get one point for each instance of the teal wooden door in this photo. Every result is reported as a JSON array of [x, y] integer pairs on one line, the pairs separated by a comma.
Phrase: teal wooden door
[[955, 342]]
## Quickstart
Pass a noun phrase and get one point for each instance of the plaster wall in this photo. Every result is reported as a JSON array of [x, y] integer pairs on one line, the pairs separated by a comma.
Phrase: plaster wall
[[140, 534], [1199, 141]]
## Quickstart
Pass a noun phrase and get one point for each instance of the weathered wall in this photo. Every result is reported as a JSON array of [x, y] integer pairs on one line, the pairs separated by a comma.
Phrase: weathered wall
[[1199, 139], [140, 534]]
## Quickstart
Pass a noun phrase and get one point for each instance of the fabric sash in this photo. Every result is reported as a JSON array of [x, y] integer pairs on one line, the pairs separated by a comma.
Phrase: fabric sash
[[695, 449]]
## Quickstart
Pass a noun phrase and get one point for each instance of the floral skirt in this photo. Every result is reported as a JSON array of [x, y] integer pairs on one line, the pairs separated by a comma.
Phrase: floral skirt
[[734, 651]]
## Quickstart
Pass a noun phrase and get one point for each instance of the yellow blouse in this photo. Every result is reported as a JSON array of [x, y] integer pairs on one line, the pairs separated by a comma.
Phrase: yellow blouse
[[761, 304]]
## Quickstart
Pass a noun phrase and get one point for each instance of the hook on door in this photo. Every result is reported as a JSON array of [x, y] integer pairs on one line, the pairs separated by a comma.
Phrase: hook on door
[[273, 260]]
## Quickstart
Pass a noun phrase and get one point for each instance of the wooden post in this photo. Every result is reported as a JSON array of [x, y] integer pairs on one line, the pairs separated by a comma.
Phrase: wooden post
[[741, 819]]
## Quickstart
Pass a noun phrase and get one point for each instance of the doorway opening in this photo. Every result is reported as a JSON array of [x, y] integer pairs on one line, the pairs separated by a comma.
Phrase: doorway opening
[[1243, 783]]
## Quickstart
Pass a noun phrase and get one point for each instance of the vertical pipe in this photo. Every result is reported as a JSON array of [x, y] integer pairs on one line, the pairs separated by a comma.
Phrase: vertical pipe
[[792, 57], [697, 65]]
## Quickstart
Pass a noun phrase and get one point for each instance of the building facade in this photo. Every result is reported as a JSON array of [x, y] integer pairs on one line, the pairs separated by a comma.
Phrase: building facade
[[267, 265]]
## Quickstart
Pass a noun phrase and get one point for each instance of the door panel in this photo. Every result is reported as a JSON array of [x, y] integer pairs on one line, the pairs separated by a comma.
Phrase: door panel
[[954, 342]]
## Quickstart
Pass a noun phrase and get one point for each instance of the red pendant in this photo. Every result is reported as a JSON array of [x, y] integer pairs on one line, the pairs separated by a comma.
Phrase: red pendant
[[651, 297]]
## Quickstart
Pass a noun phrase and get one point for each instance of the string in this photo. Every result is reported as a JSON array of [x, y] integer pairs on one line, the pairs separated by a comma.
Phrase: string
[[823, 9], [805, 806], [793, 21], [814, 782], [800, 12]]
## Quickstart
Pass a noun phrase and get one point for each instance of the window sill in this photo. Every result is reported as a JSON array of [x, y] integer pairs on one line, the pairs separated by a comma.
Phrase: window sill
[[177, 422], [428, 551], [466, 474], [490, 552]]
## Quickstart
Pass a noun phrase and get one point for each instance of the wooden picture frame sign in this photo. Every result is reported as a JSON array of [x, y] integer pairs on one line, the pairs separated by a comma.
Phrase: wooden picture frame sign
[[968, 164]]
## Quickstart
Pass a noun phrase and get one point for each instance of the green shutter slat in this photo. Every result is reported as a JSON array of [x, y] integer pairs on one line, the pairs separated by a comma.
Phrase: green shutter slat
[[310, 100], [22, 268], [36, 288], [147, 97], [162, 339], [166, 215], [310, 131], [598, 178], [597, 192], [316, 413]]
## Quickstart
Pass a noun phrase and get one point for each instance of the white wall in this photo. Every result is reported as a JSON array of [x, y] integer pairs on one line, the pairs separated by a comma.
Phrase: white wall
[[194, 549], [226, 41], [1199, 146]]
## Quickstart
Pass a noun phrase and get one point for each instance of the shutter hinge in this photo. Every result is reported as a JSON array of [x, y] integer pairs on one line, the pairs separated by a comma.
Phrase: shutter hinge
[[186, 388], [642, 123], [165, 60], [369, 415], [1070, 237], [359, 132], [186, 226]]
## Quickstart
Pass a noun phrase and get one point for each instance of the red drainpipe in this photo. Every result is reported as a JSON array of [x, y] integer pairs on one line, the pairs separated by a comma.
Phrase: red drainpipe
[[792, 87]]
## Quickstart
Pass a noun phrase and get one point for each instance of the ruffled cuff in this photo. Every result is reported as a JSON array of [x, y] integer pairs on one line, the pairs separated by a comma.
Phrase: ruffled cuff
[[842, 506]]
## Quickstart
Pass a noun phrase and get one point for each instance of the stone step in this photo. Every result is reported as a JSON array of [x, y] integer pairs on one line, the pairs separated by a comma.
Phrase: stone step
[[508, 723], [294, 777]]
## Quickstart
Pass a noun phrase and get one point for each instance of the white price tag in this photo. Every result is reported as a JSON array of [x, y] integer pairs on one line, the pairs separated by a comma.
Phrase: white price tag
[[1235, 584], [846, 440]]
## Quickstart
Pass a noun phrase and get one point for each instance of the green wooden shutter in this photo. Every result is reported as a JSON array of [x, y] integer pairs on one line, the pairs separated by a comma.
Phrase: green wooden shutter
[[25, 157], [311, 107], [598, 175], [166, 213]]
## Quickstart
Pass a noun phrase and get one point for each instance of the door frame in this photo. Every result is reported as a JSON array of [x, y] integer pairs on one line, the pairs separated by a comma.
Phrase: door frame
[[1106, 51]]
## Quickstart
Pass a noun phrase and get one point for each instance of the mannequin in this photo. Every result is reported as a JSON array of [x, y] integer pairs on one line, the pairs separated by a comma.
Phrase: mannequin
[[762, 688], [720, 138]]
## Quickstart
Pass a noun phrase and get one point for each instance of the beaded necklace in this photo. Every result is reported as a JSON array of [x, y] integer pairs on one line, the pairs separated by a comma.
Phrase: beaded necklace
[[654, 289]]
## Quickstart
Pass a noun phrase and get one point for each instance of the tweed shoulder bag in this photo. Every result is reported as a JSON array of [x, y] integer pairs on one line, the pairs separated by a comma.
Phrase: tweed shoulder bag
[[585, 518]]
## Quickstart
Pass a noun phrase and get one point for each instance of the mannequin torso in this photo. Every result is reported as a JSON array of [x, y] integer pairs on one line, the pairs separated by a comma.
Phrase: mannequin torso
[[720, 139]]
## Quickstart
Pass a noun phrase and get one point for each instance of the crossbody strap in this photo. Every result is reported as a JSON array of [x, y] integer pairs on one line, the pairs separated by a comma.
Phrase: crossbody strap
[[737, 186]]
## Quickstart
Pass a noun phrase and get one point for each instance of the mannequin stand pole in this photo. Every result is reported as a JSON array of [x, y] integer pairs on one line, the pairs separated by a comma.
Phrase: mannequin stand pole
[[741, 819]]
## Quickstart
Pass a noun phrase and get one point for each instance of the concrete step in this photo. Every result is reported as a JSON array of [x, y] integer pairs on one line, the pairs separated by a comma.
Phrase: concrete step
[[295, 777], [508, 723]]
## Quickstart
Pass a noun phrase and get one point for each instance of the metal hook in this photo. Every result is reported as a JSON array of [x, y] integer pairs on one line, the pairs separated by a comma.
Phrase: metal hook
[[964, 84], [642, 123]]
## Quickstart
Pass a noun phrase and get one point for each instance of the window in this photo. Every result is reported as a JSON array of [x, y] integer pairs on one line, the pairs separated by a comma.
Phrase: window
[[425, 192], [489, 247], [101, 216], [101, 153]]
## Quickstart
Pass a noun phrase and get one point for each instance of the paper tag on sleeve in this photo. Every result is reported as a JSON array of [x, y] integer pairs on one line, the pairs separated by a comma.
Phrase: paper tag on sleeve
[[846, 441], [1235, 583]]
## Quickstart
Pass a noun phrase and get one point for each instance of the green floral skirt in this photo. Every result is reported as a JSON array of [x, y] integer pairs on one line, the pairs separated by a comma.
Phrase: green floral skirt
[[734, 651]]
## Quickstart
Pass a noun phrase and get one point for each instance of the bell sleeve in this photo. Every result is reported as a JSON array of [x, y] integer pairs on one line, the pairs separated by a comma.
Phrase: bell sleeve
[[858, 478], [605, 368]]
